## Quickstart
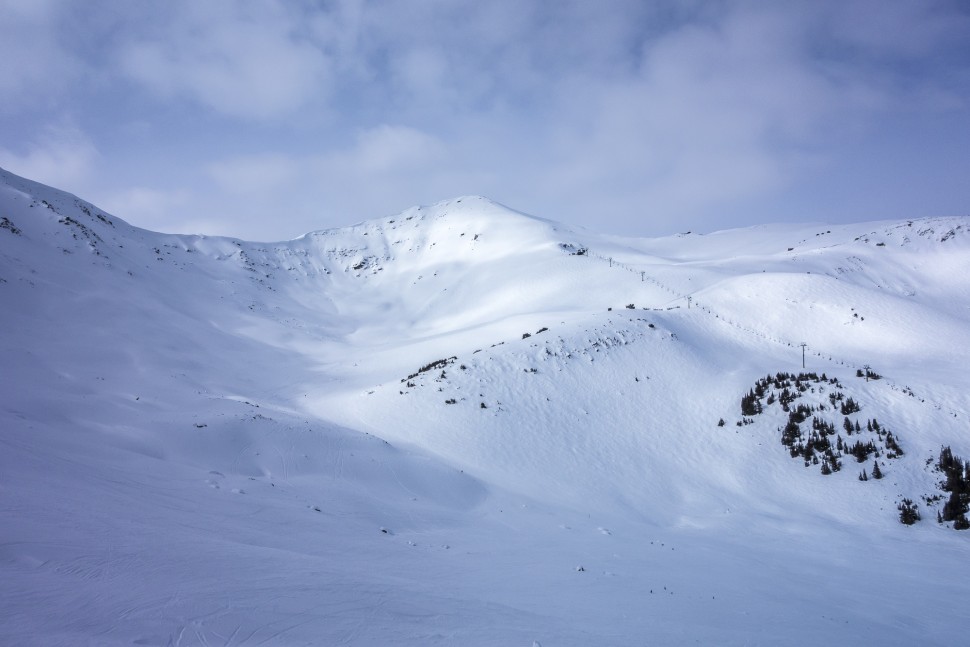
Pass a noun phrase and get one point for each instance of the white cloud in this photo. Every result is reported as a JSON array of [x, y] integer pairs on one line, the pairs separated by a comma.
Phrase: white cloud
[[154, 209], [34, 62], [255, 174], [353, 108], [389, 149], [382, 171], [62, 156], [726, 110], [247, 60]]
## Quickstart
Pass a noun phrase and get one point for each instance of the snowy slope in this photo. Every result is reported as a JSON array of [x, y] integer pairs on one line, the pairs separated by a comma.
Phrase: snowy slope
[[213, 441]]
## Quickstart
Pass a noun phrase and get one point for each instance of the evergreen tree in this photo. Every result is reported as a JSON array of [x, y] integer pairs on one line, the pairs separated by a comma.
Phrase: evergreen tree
[[876, 472], [954, 508], [835, 463], [958, 485], [750, 405]]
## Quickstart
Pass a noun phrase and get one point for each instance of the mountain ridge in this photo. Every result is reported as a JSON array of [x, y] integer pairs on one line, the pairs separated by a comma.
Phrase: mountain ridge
[[504, 427]]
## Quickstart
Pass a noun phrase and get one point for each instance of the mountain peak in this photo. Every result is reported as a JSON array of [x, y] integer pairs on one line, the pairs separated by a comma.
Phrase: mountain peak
[[463, 375]]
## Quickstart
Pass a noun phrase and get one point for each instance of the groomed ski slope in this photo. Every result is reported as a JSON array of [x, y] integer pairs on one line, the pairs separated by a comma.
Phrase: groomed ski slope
[[210, 441]]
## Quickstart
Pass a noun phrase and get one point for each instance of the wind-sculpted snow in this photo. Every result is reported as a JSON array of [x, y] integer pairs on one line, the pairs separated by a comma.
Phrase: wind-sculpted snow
[[465, 425]]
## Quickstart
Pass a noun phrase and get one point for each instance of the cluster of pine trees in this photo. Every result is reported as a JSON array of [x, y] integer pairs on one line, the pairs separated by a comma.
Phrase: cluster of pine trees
[[438, 363], [957, 483], [750, 404], [814, 447], [849, 406], [821, 444]]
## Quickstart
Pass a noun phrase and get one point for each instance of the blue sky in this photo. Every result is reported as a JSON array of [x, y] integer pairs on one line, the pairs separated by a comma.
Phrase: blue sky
[[267, 119]]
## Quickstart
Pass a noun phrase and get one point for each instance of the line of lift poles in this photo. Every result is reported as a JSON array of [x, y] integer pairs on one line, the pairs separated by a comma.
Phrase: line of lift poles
[[689, 299]]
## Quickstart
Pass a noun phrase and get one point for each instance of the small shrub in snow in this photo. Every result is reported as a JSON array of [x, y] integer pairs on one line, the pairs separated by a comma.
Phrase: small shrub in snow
[[908, 512], [5, 223]]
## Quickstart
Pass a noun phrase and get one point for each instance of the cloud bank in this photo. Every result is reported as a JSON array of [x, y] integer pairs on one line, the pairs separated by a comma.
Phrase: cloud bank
[[265, 119]]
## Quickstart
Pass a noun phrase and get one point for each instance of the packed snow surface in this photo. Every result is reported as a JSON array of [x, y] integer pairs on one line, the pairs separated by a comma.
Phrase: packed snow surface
[[464, 425]]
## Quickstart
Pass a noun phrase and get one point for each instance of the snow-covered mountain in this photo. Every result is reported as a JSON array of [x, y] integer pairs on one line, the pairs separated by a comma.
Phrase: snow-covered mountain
[[466, 425]]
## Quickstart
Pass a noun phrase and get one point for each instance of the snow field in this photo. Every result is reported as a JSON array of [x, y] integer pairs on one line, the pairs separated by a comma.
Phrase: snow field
[[211, 441]]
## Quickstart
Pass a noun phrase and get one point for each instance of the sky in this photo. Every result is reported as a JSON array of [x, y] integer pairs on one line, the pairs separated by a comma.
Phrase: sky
[[266, 119]]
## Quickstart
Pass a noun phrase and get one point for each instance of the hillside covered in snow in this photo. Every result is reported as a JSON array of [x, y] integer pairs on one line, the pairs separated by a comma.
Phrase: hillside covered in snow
[[465, 425]]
